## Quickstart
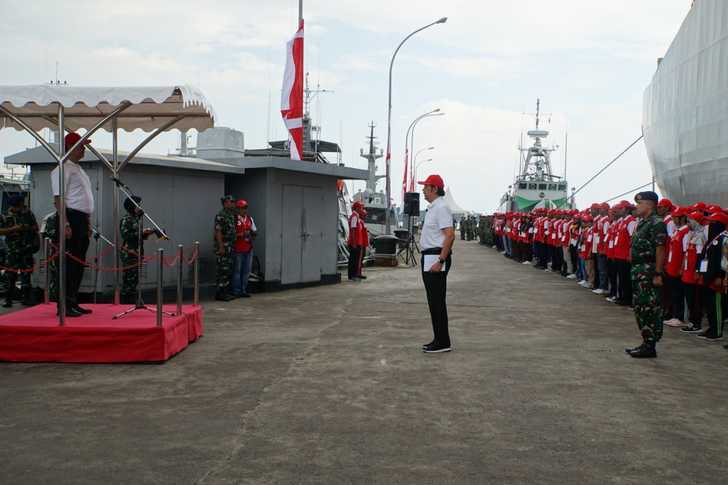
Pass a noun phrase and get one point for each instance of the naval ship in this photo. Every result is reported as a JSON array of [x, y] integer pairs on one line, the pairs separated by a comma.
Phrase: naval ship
[[535, 185], [685, 112], [375, 203]]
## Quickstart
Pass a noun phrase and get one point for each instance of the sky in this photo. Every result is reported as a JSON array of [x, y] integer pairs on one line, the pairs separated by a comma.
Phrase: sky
[[588, 61]]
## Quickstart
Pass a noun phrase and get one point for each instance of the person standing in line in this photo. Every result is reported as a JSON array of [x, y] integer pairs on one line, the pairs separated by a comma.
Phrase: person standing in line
[[690, 278], [79, 202], [713, 274], [363, 242], [436, 243], [676, 251], [648, 258], [20, 229], [354, 241], [224, 239], [245, 233]]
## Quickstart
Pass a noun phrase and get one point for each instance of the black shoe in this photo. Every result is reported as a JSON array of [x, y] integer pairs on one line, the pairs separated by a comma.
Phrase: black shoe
[[361, 277], [82, 311], [436, 349], [635, 349], [71, 312], [245, 295], [8, 304], [691, 329], [224, 296], [711, 337], [426, 346], [647, 351]]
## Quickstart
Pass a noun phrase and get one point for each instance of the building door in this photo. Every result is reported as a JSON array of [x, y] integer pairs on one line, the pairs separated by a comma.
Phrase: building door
[[301, 234]]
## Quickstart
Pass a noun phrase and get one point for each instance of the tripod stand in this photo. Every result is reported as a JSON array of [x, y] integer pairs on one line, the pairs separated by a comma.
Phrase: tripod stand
[[139, 305], [410, 249]]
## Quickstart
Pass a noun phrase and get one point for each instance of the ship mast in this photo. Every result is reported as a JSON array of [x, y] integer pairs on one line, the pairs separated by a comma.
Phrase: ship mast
[[372, 157]]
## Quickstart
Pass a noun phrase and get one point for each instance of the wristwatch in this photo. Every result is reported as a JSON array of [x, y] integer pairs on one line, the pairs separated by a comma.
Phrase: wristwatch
[[440, 260]]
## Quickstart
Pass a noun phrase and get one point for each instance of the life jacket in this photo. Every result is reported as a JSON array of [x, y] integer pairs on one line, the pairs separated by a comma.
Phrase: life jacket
[[587, 238], [611, 236], [354, 228], [690, 275], [675, 253], [623, 239]]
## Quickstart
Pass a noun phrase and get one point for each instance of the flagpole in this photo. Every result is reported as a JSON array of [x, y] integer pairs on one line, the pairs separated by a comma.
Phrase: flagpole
[[300, 11]]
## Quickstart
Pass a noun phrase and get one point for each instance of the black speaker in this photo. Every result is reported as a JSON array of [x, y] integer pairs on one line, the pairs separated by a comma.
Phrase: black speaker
[[412, 203]]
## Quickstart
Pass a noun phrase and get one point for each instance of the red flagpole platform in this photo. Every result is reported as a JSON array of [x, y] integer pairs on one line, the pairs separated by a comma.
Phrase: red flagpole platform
[[33, 335]]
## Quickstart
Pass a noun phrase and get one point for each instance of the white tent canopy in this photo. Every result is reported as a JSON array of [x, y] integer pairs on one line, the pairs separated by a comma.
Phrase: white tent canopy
[[149, 108], [451, 204], [155, 109]]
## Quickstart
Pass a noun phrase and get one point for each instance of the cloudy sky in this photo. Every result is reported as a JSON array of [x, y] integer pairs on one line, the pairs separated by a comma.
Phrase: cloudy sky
[[589, 62]]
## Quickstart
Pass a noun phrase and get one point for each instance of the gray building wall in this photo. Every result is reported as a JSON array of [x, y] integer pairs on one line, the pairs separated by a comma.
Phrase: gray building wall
[[183, 202]]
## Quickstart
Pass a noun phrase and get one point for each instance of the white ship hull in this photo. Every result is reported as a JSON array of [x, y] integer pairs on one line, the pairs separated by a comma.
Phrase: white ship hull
[[685, 116]]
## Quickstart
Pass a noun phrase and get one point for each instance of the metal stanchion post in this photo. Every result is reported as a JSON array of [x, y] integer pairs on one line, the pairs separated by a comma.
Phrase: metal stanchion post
[[196, 296], [46, 254], [180, 268], [160, 286]]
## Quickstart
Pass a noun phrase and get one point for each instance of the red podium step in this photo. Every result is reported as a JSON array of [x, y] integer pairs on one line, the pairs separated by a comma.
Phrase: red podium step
[[33, 335]]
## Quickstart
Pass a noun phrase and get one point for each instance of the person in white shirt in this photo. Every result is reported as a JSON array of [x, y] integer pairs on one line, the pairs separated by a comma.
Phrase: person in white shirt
[[79, 202], [436, 240]]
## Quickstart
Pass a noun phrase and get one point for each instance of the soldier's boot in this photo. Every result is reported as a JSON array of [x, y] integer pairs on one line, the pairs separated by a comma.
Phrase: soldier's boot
[[635, 349], [10, 293], [28, 299], [647, 351], [223, 295]]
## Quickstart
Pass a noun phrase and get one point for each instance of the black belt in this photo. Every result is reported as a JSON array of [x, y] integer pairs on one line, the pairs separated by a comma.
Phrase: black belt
[[432, 251], [75, 211]]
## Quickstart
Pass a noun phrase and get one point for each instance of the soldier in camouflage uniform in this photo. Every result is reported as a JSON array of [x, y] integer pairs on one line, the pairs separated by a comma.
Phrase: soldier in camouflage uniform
[[23, 241], [130, 251], [50, 231], [648, 256], [223, 243]]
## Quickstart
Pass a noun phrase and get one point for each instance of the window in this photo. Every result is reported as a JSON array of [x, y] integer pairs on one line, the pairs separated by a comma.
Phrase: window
[[562, 187], [522, 185], [532, 186], [375, 215], [542, 187], [552, 186]]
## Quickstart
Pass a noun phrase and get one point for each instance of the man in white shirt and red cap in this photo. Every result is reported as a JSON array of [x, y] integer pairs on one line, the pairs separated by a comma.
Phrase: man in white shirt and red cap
[[436, 243], [79, 202]]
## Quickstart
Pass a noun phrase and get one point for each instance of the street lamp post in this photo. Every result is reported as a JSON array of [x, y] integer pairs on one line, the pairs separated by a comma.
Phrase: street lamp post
[[418, 166], [412, 141], [388, 160]]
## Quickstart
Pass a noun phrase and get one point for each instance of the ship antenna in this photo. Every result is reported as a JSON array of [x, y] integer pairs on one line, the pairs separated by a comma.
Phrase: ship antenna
[[538, 111]]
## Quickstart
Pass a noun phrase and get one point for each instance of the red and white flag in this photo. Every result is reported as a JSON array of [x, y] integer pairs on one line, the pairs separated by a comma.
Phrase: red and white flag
[[405, 179], [292, 93]]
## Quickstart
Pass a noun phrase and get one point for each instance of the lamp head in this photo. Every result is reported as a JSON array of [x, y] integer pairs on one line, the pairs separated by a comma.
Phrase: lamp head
[[442, 20]]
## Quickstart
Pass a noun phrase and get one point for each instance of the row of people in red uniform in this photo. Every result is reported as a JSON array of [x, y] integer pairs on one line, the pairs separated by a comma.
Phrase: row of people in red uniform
[[593, 247], [358, 241]]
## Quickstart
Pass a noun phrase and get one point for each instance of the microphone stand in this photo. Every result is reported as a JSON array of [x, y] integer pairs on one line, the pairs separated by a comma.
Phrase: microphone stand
[[139, 305], [97, 235]]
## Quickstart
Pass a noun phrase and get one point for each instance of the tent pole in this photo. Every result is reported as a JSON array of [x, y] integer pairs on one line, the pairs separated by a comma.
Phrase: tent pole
[[115, 210], [61, 220]]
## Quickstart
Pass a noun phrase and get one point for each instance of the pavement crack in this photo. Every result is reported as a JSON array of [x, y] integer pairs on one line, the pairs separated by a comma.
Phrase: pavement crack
[[238, 441]]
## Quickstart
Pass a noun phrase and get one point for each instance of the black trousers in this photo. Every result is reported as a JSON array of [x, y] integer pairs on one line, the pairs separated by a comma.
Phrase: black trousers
[[694, 297], [77, 246], [354, 261], [436, 289], [613, 272], [714, 307], [624, 291], [677, 297]]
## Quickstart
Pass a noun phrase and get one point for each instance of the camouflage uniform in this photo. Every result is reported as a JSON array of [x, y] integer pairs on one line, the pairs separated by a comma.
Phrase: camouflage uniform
[[225, 223], [129, 231], [21, 247], [649, 235], [51, 232]]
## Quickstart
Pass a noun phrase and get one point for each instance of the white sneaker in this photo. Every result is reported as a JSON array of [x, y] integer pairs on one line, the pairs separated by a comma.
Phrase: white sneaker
[[610, 299], [673, 322], [572, 276], [526, 262], [583, 283]]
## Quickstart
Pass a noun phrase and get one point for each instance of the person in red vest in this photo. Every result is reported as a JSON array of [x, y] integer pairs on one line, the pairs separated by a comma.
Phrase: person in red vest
[[622, 250], [245, 232], [690, 278], [355, 240], [676, 252], [363, 242]]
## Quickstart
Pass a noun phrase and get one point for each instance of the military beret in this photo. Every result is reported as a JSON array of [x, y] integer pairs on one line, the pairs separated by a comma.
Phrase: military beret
[[227, 198], [129, 205], [648, 195]]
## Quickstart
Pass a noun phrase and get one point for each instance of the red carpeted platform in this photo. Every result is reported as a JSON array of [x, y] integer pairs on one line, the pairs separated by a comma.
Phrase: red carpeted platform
[[33, 335]]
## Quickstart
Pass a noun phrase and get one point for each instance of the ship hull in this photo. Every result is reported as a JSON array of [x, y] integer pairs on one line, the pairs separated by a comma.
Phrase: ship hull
[[685, 115]]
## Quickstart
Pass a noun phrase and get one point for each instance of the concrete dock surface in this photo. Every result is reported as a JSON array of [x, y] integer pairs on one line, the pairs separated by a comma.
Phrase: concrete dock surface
[[329, 385]]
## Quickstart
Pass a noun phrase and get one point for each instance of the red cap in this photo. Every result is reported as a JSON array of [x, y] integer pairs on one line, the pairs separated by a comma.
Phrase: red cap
[[665, 202], [587, 218], [241, 203], [72, 138], [595, 206], [714, 208], [680, 212], [721, 217], [604, 205], [434, 180], [700, 206], [697, 217], [357, 205]]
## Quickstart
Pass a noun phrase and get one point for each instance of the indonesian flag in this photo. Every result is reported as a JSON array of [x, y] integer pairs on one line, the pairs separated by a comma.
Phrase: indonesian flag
[[292, 93]]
